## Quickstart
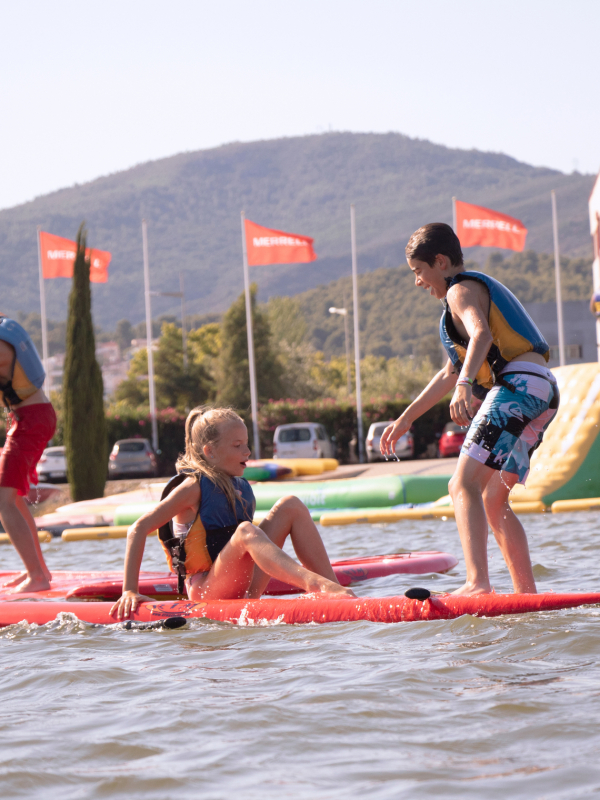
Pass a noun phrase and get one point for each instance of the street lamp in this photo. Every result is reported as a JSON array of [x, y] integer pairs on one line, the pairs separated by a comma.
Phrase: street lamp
[[344, 313]]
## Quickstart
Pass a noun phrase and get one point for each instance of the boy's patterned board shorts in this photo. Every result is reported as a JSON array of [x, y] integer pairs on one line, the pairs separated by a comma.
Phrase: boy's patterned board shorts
[[508, 427]]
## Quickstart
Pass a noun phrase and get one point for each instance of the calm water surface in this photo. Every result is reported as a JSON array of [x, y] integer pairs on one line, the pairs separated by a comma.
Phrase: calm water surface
[[470, 708]]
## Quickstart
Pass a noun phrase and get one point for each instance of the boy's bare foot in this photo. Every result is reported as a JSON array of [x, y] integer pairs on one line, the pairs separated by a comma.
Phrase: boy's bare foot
[[15, 581], [324, 585], [33, 585], [472, 589]]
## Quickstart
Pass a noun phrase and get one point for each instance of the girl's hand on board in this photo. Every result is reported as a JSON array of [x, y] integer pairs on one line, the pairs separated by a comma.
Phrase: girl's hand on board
[[128, 604]]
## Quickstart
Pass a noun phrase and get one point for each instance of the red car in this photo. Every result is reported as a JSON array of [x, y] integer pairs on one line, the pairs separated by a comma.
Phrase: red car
[[451, 440]]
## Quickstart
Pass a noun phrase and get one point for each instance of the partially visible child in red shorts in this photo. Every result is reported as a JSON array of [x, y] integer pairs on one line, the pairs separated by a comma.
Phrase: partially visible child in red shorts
[[32, 425]]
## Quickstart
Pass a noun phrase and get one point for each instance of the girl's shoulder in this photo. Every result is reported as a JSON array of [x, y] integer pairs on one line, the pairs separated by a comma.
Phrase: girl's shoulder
[[190, 485], [242, 485]]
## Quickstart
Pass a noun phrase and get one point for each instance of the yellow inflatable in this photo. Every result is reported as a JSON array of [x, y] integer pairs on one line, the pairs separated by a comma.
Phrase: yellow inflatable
[[567, 464]]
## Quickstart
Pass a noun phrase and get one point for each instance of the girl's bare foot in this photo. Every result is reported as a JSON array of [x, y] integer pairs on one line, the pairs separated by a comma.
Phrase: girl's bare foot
[[15, 581], [33, 585], [472, 589], [324, 585]]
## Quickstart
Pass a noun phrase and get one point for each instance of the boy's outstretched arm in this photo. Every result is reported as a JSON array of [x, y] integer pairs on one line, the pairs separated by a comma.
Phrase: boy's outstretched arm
[[438, 387]]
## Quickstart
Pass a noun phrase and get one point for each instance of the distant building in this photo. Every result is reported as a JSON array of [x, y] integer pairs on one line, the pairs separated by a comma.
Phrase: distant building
[[114, 367], [142, 344], [579, 325]]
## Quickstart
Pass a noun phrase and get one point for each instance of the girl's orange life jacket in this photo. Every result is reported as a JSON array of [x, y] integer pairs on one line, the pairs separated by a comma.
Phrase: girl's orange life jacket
[[215, 524]]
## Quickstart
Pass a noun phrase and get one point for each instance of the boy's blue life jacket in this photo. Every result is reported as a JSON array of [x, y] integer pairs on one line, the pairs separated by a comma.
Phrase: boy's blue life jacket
[[513, 332], [27, 374]]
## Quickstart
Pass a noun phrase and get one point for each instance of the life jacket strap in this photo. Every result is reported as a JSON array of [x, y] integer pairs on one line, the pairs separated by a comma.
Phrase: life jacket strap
[[499, 379], [176, 547]]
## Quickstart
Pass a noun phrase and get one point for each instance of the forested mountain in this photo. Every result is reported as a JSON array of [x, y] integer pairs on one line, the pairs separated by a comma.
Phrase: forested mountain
[[192, 202], [399, 319]]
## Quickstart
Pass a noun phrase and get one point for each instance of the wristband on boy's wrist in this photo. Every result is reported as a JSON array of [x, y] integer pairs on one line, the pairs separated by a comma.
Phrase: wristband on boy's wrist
[[465, 382]]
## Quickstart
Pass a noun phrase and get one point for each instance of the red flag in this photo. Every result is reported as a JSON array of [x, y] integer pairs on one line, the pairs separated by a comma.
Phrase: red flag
[[58, 255], [476, 225], [266, 246]]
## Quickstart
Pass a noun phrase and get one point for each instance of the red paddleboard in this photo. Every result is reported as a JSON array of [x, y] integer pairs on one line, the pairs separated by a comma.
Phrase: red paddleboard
[[163, 586], [307, 609]]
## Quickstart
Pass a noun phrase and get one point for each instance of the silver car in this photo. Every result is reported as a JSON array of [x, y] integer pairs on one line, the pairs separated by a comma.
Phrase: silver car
[[302, 440], [52, 466], [132, 457], [405, 446]]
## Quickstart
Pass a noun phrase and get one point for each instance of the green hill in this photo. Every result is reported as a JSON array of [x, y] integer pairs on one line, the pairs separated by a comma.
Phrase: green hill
[[398, 319], [192, 202]]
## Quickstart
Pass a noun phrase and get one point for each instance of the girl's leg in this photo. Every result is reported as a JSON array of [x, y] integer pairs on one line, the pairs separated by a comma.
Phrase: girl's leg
[[509, 532], [231, 574], [290, 517]]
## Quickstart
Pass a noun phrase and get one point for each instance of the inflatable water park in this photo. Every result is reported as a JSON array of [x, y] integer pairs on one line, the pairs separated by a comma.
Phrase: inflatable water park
[[565, 477]]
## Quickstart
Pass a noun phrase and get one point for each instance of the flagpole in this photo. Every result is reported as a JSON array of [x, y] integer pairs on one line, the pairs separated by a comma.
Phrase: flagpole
[[454, 214], [361, 443], [48, 381], [559, 308], [149, 338], [347, 339], [253, 393]]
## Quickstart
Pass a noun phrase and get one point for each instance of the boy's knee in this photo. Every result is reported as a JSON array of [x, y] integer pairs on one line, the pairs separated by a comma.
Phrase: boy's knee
[[463, 484], [453, 486], [496, 505]]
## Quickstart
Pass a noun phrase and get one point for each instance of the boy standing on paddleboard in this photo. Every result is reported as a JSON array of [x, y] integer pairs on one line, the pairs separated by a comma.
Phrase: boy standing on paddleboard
[[495, 352], [31, 423]]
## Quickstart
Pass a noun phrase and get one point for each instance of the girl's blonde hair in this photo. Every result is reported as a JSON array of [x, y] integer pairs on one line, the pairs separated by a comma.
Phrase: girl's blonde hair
[[204, 425]]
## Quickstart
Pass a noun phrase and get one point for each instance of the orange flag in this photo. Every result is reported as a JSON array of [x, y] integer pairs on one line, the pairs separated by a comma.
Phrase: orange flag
[[476, 225], [267, 246], [58, 255]]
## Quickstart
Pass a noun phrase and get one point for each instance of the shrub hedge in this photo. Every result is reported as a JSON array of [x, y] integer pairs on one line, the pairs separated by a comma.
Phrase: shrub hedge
[[338, 419]]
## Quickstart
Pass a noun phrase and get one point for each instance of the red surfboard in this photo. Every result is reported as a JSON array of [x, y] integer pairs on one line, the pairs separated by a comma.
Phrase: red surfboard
[[319, 608], [163, 586]]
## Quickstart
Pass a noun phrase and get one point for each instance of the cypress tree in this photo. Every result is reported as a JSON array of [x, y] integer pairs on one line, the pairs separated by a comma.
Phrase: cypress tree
[[84, 422], [233, 380]]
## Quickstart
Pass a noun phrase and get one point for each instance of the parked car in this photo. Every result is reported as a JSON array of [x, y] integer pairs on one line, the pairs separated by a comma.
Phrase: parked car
[[302, 440], [451, 440], [52, 466], [405, 446], [132, 457]]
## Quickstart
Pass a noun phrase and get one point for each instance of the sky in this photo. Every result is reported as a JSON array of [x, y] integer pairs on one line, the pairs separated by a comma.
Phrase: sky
[[91, 88]]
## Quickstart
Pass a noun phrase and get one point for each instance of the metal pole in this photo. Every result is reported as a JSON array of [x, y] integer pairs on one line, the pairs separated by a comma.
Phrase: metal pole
[[347, 337], [361, 443], [454, 215], [183, 331], [253, 393], [596, 278], [48, 381], [149, 338], [559, 309]]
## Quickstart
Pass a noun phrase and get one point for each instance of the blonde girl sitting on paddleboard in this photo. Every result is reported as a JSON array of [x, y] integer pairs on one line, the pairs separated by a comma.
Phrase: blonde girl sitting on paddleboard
[[212, 543]]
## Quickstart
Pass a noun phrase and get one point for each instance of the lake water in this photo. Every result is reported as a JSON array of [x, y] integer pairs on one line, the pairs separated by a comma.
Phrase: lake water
[[470, 708]]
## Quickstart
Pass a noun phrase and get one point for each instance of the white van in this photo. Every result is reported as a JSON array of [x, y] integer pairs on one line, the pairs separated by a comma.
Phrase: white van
[[302, 440]]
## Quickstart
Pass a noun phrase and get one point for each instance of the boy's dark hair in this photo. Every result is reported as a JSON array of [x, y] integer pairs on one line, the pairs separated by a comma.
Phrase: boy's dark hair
[[436, 237]]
